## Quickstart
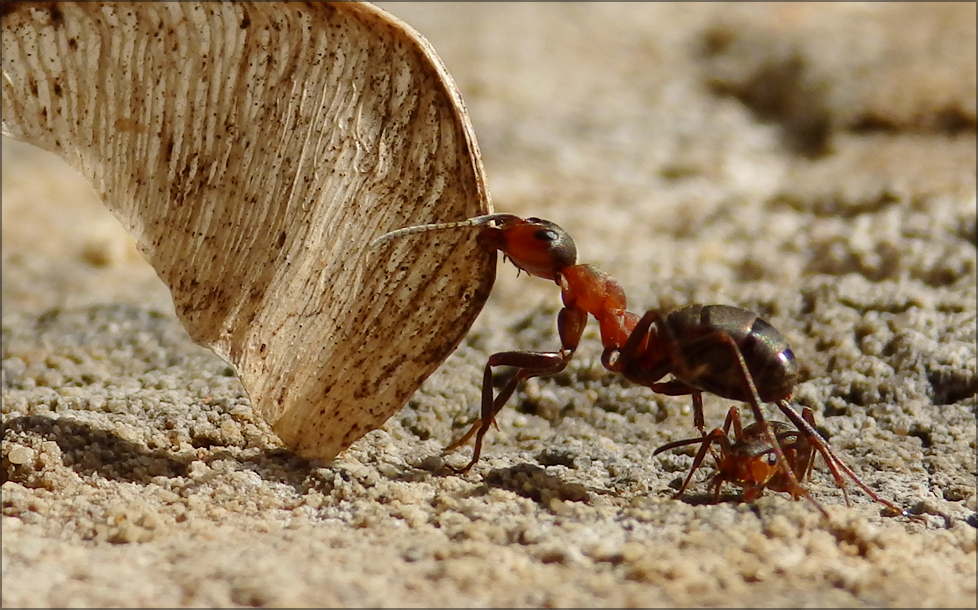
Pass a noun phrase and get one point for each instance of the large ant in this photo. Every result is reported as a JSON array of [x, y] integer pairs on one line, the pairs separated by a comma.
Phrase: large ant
[[719, 349], [749, 461]]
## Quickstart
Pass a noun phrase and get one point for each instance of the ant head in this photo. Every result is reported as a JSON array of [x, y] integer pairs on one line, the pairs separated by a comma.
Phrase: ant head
[[539, 247], [760, 469], [536, 246], [751, 464]]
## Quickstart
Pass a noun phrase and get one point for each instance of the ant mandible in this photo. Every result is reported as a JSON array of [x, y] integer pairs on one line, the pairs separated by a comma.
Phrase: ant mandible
[[719, 349], [748, 461]]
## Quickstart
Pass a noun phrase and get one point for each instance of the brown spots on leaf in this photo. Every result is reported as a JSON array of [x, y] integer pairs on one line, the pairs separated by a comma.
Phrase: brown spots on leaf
[[57, 17], [130, 125], [330, 341]]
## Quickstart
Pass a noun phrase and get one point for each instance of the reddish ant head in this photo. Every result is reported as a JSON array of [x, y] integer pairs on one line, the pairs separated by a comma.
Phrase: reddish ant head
[[539, 247], [536, 246], [752, 463], [750, 470]]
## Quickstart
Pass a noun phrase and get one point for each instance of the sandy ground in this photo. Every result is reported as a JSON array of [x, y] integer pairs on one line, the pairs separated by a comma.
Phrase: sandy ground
[[813, 163]]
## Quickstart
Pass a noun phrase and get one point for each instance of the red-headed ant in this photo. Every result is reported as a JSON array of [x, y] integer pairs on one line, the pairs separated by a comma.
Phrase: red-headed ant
[[719, 349]]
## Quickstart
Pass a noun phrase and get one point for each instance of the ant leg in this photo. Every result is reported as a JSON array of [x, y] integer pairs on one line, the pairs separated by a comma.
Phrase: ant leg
[[805, 424], [707, 440], [500, 399], [698, 420], [751, 492], [570, 325], [706, 443], [675, 387], [638, 336], [716, 484], [733, 416], [640, 342], [530, 364], [808, 463]]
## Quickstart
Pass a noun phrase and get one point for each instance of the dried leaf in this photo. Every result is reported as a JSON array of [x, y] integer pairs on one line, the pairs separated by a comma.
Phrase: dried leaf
[[254, 151]]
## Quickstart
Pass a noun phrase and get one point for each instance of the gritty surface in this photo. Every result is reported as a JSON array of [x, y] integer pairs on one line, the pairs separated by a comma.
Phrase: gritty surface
[[815, 164]]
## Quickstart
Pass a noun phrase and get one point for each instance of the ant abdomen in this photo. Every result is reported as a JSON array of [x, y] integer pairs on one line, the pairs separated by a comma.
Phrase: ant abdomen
[[698, 332]]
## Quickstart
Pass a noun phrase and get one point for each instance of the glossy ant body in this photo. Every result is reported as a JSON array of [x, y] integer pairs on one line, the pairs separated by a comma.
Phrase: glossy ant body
[[749, 461], [719, 349]]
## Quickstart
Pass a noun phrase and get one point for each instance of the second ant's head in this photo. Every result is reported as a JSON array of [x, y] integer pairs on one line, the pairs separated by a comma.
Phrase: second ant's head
[[539, 247], [753, 472], [752, 464]]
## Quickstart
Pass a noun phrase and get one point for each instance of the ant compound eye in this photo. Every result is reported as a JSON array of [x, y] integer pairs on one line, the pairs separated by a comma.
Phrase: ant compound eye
[[772, 459], [548, 235]]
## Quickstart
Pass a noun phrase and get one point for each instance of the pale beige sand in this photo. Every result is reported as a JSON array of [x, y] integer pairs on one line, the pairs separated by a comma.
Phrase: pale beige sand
[[813, 163]]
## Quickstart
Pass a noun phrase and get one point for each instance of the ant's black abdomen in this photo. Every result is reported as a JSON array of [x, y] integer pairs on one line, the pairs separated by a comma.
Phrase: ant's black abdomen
[[700, 331]]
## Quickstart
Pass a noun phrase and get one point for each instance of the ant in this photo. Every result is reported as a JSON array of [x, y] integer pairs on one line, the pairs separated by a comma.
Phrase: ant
[[749, 461], [722, 350]]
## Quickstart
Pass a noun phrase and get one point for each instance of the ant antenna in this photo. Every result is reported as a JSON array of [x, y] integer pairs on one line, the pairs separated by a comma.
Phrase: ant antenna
[[476, 221]]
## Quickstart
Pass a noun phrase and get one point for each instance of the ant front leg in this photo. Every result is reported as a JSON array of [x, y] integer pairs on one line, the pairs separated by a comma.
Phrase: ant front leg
[[570, 324]]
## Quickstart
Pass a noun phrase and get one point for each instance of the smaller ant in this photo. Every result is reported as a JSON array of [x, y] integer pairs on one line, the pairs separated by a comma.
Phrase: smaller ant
[[749, 461], [722, 350]]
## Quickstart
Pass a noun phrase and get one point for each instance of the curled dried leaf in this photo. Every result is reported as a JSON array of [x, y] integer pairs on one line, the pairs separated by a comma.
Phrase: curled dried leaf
[[254, 150]]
